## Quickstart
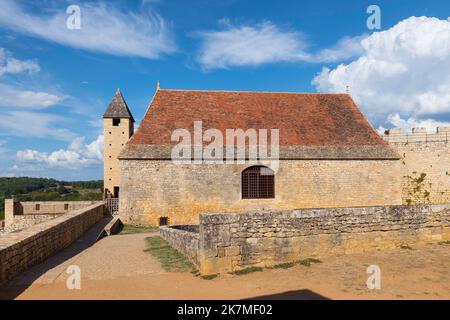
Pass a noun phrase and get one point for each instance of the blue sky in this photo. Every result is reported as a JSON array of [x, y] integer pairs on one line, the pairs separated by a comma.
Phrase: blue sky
[[55, 83]]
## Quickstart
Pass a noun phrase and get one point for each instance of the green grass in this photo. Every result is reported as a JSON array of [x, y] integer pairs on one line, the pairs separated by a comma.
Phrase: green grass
[[133, 229], [2, 215], [307, 262], [286, 265], [406, 247], [170, 259], [247, 271]]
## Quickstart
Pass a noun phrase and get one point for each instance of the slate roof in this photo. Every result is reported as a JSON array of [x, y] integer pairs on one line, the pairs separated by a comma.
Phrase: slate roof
[[311, 125], [118, 108]]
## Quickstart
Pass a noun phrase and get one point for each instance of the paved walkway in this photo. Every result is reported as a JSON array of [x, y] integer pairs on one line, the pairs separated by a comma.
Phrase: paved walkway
[[117, 267], [110, 258]]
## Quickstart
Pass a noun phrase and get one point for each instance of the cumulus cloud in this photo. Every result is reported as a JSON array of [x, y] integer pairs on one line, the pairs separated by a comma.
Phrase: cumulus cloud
[[76, 156], [9, 64], [403, 70], [251, 45], [395, 120], [104, 28]]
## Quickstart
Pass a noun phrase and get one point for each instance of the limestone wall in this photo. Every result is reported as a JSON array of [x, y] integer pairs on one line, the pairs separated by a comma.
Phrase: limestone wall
[[184, 240], [115, 139], [23, 214], [425, 164], [229, 242], [151, 189], [21, 250]]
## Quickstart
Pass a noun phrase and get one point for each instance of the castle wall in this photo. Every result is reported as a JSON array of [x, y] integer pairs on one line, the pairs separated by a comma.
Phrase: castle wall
[[425, 164], [151, 189]]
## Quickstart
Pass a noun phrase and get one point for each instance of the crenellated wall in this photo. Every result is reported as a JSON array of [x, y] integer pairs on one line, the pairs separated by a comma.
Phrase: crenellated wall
[[424, 164]]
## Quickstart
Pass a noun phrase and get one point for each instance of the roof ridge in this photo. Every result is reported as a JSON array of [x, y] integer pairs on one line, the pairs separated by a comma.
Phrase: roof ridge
[[239, 91]]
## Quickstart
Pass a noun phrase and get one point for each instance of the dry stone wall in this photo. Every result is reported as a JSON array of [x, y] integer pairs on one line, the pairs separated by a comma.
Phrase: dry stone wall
[[232, 241]]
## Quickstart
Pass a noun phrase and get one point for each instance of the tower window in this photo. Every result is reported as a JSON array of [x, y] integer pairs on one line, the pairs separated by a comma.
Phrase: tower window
[[116, 122], [258, 183]]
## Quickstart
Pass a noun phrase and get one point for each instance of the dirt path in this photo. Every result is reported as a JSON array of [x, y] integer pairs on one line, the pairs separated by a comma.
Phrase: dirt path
[[117, 268]]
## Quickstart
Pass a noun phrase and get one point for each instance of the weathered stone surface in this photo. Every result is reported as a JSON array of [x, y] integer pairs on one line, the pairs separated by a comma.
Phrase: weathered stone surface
[[184, 239], [20, 215], [264, 239], [151, 189], [21, 250]]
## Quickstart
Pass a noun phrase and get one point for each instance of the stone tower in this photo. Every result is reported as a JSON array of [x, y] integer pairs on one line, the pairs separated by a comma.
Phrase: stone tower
[[118, 127]]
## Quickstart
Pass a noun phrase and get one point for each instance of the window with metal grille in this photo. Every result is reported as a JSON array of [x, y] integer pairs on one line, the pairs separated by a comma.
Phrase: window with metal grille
[[258, 183]]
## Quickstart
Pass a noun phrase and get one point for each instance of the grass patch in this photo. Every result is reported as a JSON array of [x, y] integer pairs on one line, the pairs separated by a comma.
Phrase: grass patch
[[133, 229], [286, 265], [406, 247], [444, 242], [209, 276], [170, 259], [247, 271], [307, 262]]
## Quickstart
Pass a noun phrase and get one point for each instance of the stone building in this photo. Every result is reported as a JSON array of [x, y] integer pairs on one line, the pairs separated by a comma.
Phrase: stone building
[[329, 156], [118, 127]]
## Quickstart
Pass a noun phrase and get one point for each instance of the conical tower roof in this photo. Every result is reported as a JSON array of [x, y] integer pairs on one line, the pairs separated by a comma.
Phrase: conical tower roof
[[118, 108]]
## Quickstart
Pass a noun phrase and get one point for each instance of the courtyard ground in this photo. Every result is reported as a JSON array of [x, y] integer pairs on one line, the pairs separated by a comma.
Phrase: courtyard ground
[[117, 267]]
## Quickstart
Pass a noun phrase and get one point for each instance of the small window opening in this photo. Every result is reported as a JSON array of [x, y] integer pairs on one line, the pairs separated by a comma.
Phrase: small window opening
[[38, 207], [116, 122], [66, 206], [163, 221]]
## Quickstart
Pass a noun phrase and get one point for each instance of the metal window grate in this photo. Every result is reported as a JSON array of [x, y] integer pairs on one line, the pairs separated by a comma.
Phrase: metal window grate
[[112, 204], [258, 183]]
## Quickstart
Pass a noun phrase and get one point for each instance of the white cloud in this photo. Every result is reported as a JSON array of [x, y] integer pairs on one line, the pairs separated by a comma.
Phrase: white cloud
[[346, 48], [76, 156], [251, 45], [9, 64], [405, 70], [104, 28], [34, 124], [13, 97], [394, 120]]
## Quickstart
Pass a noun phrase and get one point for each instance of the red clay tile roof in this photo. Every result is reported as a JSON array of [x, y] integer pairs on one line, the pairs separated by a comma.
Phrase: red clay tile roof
[[312, 120]]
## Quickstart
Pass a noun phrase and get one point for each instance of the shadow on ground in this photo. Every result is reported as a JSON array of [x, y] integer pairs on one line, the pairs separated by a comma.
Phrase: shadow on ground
[[304, 294], [21, 282]]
